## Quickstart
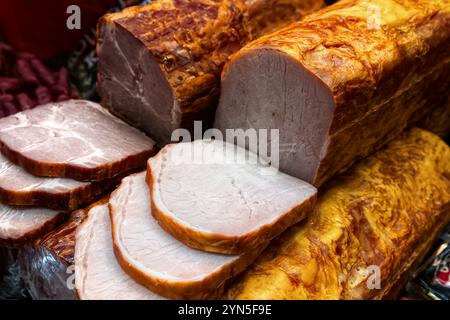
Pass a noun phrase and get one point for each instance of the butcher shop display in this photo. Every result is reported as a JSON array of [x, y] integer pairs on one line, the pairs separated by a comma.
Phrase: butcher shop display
[[257, 150]]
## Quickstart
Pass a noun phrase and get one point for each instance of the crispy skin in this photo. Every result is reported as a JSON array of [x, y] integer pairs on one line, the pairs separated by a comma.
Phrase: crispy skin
[[191, 40], [385, 211], [386, 64]]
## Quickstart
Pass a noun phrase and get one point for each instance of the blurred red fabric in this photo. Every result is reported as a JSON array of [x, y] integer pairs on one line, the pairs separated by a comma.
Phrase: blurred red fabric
[[39, 26]]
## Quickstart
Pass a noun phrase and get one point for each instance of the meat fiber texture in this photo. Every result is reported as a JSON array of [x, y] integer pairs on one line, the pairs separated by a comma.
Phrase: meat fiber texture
[[340, 83], [20, 188], [384, 212], [157, 260], [74, 139], [159, 65], [217, 197]]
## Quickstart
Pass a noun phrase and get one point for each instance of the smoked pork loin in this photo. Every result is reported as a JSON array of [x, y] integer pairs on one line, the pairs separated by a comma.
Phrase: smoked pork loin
[[74, 139], [159, 65], [341, 82], [225, 200], [20, 188], [373, 223], [157, 260]]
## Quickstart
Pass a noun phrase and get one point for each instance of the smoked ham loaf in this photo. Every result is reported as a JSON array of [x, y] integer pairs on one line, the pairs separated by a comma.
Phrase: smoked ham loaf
[[157, 260], [159, 64], [225, 200], [340, 83], [383, 213], [75, 139]]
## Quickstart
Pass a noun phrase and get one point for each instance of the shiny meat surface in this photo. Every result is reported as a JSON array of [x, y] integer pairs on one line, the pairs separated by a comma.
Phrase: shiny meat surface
[[76, 139], [98, 276], [225, 200]]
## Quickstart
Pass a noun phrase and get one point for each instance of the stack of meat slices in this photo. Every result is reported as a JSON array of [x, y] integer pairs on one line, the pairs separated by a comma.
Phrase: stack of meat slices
[[58, 157], [184, 228]]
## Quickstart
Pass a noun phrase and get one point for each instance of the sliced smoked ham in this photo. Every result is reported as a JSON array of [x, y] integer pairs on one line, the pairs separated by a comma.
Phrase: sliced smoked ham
[[340, 83], [157, 260], [19, 224], [75, 139], [225, 200], [160, 64], [20, 188], [98, 276]]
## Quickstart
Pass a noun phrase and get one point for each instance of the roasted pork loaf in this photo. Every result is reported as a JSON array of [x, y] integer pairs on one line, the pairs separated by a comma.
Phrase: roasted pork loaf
[[373, 223], [74, 139], [342, 82], [159, 64], [224, 200]]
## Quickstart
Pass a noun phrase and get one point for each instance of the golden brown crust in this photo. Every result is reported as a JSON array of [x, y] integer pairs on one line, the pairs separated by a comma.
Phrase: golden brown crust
[[191, 40], [383, 212], [379, 59]]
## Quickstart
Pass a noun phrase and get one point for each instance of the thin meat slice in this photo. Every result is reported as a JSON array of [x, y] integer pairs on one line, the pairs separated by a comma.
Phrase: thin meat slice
[[225, 200], [341, 83], [98, 276], [74, 139], [156, 259], [19, 225], [160, 64], [20, 188]]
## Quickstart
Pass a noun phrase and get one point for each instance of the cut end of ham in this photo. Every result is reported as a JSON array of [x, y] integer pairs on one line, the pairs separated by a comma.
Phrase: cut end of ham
[[217, 197], [272, 90], [98, 276], [74, 139], [157, 260], [19, 225]]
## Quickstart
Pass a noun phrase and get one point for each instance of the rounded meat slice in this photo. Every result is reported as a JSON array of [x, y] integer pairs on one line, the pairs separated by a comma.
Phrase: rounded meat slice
[[157, 260], [18, 224], [73, 139], [98, 276], [217, 197], [20, 188]]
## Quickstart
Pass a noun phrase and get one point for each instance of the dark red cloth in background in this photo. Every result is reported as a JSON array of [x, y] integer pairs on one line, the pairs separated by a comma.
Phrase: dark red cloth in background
[[39, 26]]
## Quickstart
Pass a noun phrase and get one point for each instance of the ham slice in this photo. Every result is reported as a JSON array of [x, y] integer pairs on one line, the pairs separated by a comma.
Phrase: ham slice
[[226, 200], [157, 260], [19, 225], [75, 139], [98, 276], [20, 188], [340, 83]]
